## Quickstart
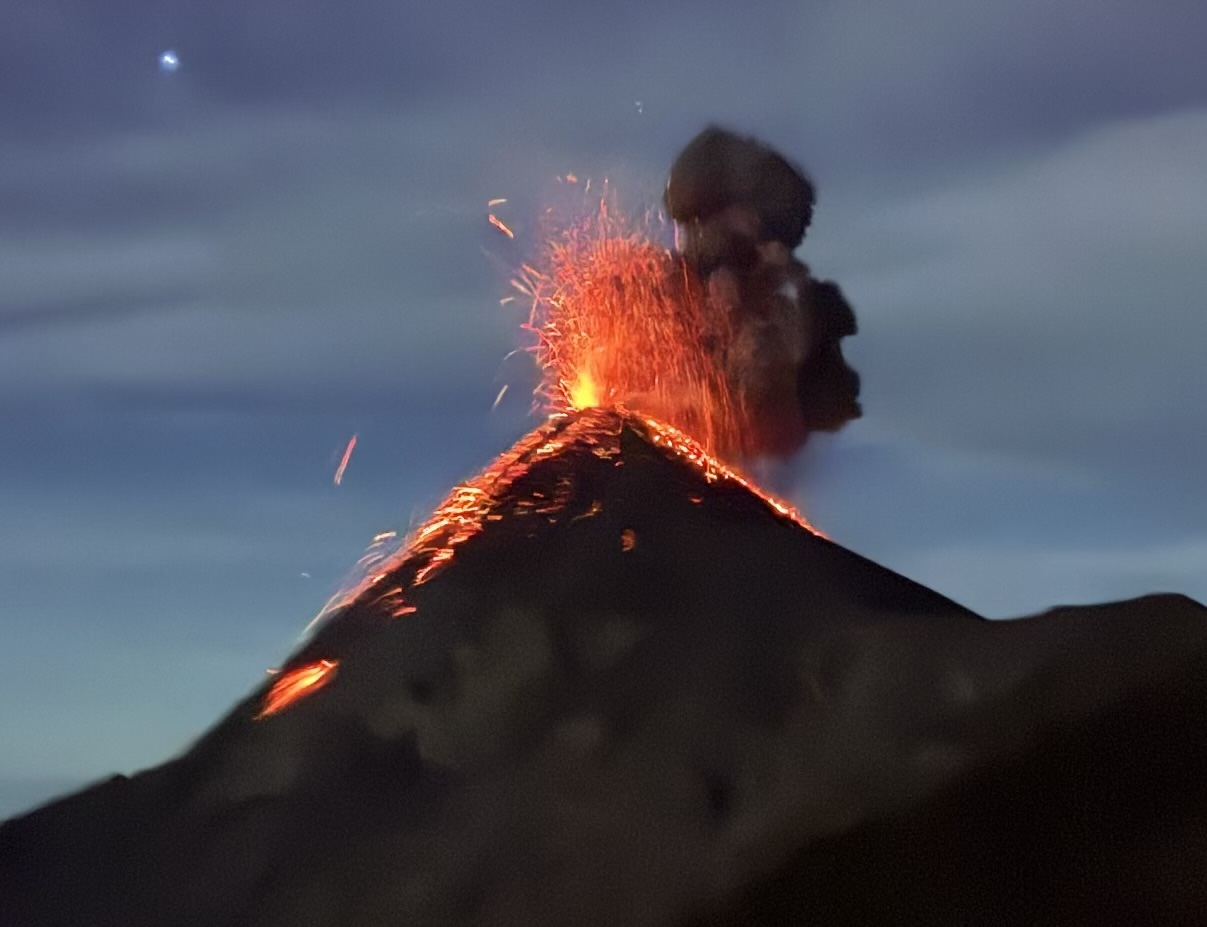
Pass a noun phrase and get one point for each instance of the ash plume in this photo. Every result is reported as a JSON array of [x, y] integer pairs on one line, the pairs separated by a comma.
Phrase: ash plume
[[743, 209]]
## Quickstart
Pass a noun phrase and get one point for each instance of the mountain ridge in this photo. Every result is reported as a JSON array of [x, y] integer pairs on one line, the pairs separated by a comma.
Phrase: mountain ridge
[[634, 690]]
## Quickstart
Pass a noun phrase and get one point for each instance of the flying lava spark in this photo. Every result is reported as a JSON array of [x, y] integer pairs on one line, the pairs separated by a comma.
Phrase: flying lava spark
[[343, 463]]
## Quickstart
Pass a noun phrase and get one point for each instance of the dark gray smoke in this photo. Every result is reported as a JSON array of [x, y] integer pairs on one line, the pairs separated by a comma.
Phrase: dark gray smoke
[[743, 209]]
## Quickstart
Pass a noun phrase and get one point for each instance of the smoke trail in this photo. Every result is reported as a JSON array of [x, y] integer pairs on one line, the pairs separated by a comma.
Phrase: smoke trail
[[743, 209]]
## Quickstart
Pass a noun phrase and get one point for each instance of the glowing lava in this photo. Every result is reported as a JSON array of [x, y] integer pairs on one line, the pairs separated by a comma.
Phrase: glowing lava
[[294, 684], [584, 394], [621, 320], [627, 339]]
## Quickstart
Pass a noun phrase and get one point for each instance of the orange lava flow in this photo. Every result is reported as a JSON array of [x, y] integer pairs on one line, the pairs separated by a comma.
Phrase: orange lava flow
[[621, 320], [671, 438], [294, 684], [470, 507]]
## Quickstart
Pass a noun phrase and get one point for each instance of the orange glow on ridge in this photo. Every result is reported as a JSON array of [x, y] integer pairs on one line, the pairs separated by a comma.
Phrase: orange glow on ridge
[[626, 337], [297, 682]]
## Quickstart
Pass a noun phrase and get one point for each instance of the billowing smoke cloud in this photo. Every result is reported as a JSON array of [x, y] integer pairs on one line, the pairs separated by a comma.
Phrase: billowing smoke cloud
[[743, 209]]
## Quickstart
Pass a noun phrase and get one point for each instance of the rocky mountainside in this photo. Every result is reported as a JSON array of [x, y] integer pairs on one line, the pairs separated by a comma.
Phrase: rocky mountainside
[[612, 684]]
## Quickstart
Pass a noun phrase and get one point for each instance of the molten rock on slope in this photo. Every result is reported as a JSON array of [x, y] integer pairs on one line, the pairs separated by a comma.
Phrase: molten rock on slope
[[637, 693]]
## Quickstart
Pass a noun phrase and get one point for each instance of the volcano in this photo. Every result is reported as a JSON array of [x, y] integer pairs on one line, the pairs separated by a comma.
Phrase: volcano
[[611, 683]]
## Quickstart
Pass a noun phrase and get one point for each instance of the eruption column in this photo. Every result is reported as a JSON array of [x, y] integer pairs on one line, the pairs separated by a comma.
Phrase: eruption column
[[730, 339]]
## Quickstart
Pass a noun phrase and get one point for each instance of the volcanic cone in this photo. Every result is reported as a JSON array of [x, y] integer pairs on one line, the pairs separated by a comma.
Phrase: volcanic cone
[[609, 684]]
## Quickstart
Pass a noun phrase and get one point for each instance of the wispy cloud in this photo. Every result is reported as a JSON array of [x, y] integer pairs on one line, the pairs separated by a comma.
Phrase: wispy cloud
[[249, 257], [1049, 309]]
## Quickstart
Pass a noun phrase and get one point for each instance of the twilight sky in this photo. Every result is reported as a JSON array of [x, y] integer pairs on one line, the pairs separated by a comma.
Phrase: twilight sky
[[211, 278]]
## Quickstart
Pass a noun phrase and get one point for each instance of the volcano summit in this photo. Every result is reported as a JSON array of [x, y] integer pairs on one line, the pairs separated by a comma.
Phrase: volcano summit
[[610, 682], [637, 692]]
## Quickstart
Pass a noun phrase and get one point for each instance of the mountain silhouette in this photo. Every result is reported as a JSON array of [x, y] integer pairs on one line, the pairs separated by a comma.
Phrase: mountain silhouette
[[612, 684]]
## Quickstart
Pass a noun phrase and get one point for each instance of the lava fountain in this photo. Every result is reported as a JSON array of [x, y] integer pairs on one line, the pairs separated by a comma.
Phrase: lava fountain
[[724, 349]]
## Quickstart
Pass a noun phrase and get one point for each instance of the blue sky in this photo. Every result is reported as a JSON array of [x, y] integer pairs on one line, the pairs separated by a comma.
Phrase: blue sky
[[211, 278]]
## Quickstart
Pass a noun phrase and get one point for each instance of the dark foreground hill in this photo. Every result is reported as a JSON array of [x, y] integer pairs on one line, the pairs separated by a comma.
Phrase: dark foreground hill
[[639, 694]]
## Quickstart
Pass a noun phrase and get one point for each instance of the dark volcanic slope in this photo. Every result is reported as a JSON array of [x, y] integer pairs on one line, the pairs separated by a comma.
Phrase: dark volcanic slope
[[640, 696]]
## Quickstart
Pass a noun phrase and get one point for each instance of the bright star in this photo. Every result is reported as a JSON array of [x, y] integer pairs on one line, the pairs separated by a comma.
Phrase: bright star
[[169, 61]]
